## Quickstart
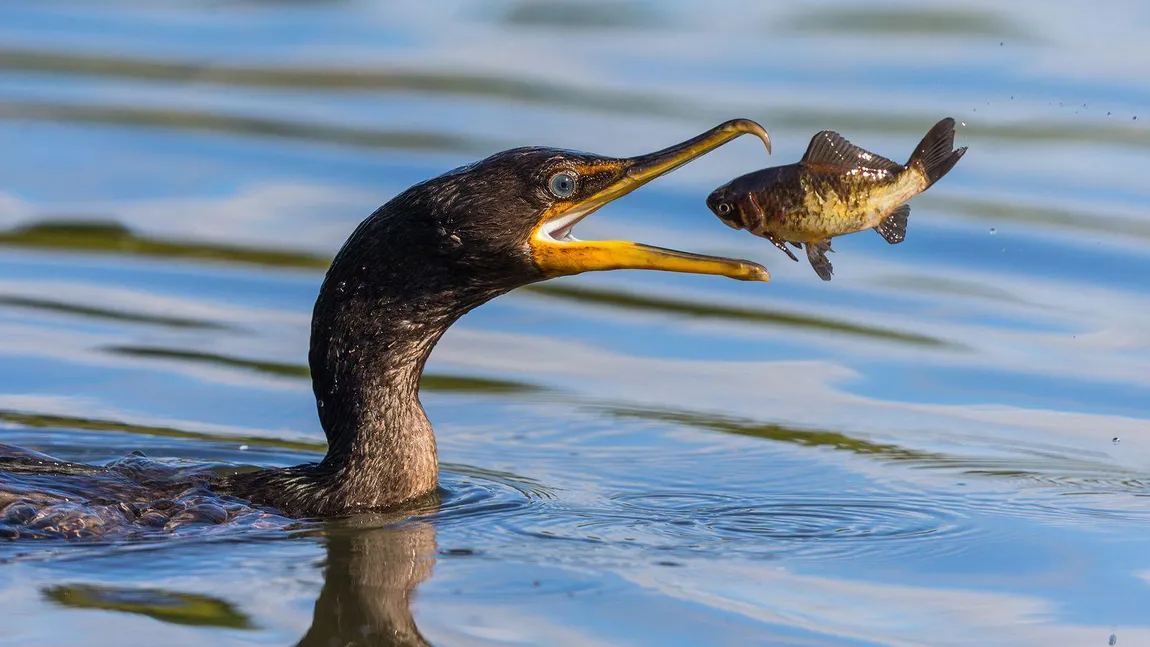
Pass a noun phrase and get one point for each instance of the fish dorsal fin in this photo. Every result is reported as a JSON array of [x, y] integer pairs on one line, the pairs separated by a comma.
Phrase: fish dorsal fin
[[893, 227], [829, 148]]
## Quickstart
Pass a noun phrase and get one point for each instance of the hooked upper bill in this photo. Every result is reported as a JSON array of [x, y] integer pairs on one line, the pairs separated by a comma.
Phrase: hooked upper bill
[[558, 253]]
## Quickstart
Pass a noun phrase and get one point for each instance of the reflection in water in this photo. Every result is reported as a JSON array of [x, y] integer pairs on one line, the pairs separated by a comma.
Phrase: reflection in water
[[50, 421], [214, 122], [112, 237], [374, 564], [166, 606], [1091, 220], [94, 312], [1040, 468], [678, 306], [450, 84], [908, 20], [369, 582], [776, 432], [428, 381], [596, 14]]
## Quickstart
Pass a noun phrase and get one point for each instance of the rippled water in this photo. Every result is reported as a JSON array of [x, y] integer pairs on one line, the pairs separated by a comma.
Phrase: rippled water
[[946, 445]]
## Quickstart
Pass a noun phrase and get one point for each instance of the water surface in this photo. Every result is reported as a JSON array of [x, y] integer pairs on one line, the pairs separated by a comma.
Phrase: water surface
[[946, 445]]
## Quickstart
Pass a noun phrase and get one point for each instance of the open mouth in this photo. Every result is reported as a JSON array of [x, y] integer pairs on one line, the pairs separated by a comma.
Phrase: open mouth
[[559, 228], [557, 252]]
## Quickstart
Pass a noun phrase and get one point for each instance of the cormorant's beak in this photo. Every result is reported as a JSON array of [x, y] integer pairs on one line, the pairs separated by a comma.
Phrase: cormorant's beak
[[557, 253]]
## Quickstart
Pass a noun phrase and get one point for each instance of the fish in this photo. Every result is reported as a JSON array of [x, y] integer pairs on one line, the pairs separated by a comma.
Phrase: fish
[[836, 189]]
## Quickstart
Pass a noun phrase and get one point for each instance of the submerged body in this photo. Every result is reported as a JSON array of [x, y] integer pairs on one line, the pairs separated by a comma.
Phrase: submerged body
[[836, 189]]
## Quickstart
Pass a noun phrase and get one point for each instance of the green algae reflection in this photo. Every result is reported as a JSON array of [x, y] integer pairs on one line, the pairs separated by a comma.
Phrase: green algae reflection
[[336, 78], [165, 606], [854, 123], [51, 421], [581, 16], [1050, 467], [1029, 215], [670, 305], [772, 431], [906, 20], [111, 237], [93, 312], [214, 122], [437, 382]]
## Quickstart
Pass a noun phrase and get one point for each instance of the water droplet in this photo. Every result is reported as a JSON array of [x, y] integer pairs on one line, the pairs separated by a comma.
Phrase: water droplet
[[1135, 117], [993, 231], [1113, 639], [1001, 43], [963, 124], [243, 448], [1116, 440]]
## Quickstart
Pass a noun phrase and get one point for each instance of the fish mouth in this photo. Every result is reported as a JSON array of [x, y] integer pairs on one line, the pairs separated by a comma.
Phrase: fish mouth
[[557, 252]]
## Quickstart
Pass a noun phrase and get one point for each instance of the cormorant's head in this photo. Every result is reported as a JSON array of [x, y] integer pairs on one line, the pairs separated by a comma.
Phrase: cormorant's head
[[454, 241], [507, 220]]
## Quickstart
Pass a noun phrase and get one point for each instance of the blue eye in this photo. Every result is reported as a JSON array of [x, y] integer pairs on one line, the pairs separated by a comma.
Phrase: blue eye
[[562, 184]]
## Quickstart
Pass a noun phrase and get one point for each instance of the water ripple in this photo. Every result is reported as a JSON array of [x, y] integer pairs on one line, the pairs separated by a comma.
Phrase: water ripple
[[794, 525], [469, 492]]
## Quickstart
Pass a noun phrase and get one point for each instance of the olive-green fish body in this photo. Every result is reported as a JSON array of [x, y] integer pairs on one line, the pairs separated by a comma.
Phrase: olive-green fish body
[[837, 189]]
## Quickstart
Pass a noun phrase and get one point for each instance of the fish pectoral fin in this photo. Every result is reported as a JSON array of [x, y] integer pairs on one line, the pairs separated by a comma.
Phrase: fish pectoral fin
[[893, 227], [782, 244], [828, 148], [817, 255]]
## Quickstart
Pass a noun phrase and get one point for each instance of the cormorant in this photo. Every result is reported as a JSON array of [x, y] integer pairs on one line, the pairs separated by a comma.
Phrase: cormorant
[[407, 273]]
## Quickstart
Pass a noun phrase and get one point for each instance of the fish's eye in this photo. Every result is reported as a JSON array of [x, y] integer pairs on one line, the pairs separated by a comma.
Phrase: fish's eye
[[724, 208], [562, 184]]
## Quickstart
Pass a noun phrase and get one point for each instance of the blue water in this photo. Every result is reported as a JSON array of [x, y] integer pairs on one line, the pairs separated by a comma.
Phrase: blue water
[[945, 445]]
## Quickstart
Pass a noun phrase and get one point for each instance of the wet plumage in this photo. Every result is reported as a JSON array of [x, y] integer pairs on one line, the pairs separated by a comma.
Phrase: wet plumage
[[836, 189]]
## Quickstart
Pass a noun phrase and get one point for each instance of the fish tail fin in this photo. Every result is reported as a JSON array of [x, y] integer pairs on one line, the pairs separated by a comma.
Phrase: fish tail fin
[[935, 154]]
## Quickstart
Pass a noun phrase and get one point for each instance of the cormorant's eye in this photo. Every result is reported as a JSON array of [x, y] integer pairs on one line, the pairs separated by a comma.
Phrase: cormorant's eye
[[724, 208], [562, 184]]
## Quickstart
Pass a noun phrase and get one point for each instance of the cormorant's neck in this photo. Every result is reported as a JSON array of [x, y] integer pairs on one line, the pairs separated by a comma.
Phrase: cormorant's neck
[[393, 290], [366, 365]]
